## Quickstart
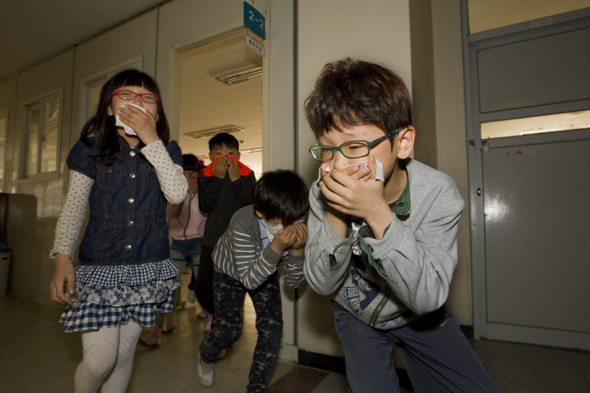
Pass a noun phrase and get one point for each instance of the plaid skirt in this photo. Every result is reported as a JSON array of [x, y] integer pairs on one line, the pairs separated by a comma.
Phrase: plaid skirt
[[108, 296]]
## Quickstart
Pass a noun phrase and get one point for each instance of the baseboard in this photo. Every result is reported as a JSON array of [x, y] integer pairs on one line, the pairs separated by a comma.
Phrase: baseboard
[[467, 330], [288, 352], [330, 363]]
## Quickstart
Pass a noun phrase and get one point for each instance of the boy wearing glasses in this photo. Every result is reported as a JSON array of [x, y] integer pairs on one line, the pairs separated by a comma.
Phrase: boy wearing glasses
[[383, 236]]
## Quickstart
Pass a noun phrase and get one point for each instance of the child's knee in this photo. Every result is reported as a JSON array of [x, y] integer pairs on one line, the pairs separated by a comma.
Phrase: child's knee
[[98, 367], [272, 329], [231, 337], [223, 335]]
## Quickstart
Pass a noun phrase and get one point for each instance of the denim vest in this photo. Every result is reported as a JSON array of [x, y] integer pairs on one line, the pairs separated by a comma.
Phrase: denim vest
[[127, 220]]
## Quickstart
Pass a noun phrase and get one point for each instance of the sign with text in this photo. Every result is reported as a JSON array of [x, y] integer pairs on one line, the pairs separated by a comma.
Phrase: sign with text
[[254, 20], [254, 43]]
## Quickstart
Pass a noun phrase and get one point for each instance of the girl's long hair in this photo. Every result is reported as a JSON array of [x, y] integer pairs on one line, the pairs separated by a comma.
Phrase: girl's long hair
[[101, 126]]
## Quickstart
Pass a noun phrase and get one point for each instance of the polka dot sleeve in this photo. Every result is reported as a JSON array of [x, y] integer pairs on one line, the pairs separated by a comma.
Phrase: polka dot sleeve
[[171, 176], [72, 215]]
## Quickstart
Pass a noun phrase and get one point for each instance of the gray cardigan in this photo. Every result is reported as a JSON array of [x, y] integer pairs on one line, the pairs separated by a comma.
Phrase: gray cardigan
[[400, 277], [239, 254]]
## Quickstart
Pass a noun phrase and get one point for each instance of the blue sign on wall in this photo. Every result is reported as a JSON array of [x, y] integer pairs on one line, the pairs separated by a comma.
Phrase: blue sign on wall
[[254, 20]]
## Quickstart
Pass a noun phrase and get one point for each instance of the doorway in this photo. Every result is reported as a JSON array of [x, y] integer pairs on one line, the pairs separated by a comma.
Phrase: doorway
[[221, 91]]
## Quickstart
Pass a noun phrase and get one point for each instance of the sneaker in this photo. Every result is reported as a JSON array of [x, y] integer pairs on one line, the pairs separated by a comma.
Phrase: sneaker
[[151, 340], [202, 315], [206, 374], [208, 325], [190, 296]]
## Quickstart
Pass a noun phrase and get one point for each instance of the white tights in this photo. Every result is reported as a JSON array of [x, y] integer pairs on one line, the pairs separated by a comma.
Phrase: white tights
[[108, 359]]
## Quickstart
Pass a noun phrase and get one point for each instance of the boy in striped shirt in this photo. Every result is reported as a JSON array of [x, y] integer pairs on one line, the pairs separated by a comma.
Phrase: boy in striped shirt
[[246, 260]]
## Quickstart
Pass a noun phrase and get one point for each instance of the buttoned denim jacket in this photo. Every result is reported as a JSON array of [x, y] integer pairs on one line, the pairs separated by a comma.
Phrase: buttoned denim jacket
[[127, 220]]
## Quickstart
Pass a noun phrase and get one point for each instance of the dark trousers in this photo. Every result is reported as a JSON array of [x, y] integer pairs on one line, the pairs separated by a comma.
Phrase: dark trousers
[[227, 325], [204, 284], [437, 356]]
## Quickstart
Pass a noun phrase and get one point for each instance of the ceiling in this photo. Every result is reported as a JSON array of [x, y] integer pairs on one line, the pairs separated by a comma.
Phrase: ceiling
[[46, 28], [34, 30]]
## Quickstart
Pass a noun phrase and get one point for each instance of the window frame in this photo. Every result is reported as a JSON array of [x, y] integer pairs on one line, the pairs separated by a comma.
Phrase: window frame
[[40, 101]]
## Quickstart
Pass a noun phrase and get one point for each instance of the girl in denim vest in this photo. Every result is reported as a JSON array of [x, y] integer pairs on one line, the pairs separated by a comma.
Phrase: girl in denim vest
[[124, 169]]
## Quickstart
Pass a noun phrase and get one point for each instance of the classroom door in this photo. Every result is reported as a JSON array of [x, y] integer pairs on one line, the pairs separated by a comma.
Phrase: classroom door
[[537, 227], [530, 184]]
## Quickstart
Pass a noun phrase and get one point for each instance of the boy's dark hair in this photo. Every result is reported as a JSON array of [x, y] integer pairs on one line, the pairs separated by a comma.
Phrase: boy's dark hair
[[224, 138], [102, 126], [191, 163], [281, 194], [352, 92]]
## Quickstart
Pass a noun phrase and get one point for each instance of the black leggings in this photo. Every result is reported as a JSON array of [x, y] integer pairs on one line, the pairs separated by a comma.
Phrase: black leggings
[[227, 325], [204, 285]]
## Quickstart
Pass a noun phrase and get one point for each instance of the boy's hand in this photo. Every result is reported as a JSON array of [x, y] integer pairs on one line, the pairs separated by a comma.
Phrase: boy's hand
[[298, 247], [233, 167], [284, 239], [350, 193], [220, 167]]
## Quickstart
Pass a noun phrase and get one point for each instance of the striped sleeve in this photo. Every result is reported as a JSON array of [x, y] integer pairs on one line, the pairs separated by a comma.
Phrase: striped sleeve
[[293, 272], [237, 252]]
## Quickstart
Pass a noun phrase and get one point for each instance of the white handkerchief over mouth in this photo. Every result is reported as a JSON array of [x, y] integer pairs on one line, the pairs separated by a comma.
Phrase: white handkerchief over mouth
[[378, 173], [119, 123]]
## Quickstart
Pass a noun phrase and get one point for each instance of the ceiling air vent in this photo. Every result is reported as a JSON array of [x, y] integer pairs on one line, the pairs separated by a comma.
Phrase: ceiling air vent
[[213, 131], [240, 76]]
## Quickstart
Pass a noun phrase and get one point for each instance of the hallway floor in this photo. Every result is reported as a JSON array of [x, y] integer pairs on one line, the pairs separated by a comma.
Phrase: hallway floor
[[38, 357]]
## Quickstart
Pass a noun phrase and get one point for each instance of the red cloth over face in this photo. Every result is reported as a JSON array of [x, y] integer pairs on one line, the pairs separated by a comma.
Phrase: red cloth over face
[[244, 170]]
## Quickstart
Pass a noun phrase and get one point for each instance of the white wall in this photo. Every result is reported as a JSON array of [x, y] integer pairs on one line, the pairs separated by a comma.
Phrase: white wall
[[439, 109], [371, 30], [451, 138]]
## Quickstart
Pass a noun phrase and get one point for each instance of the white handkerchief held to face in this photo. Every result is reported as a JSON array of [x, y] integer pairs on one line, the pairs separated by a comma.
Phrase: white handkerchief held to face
[[119, 123], [378, 173]]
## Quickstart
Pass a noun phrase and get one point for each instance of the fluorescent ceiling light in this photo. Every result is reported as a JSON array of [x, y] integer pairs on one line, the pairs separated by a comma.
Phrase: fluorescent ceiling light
[[240, 76], [213, 131], [253, 150]]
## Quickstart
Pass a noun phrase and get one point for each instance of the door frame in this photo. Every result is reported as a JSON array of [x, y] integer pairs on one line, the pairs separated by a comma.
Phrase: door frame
[[471, 44]]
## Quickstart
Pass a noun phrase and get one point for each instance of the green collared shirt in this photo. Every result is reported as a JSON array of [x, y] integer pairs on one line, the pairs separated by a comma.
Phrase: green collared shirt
[[400, 207]]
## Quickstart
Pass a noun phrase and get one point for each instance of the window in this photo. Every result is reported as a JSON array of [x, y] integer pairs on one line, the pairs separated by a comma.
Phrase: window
[[536, 125], [42, 134], [92, 85], [491, 14], [93, 89]]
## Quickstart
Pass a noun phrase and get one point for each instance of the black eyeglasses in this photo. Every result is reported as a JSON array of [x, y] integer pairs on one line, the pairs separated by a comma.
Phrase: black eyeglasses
[[128, 95], [350, 149]]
